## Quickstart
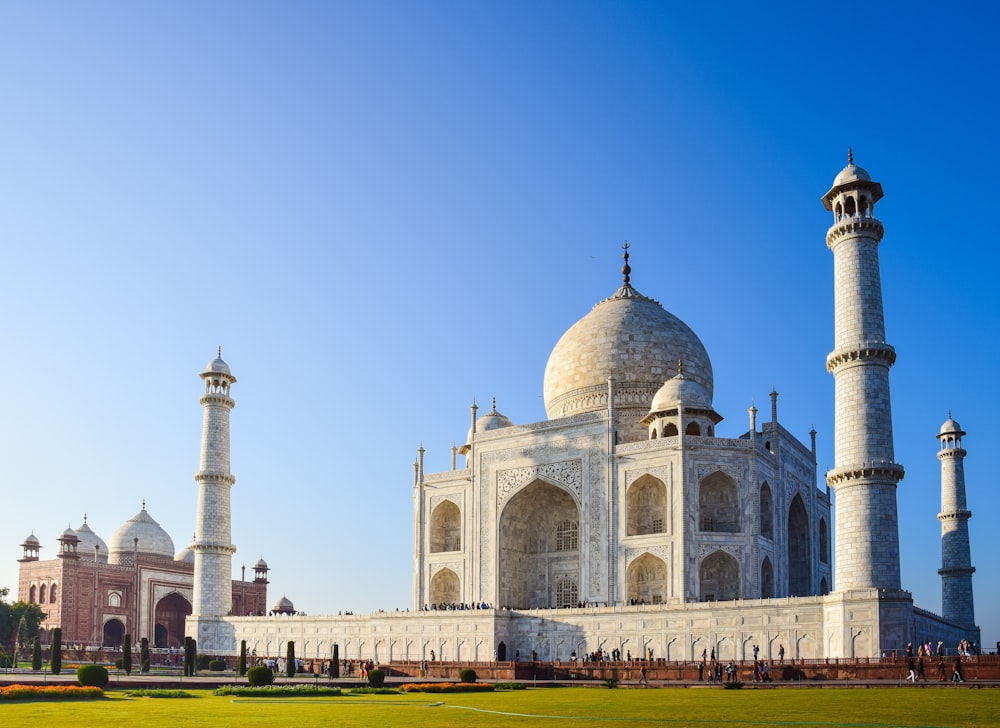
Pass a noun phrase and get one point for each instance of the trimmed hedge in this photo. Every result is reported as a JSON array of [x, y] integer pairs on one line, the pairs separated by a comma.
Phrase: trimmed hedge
[[468, 675], [260, 676], [376, 678], [95, 676], [217, 665]]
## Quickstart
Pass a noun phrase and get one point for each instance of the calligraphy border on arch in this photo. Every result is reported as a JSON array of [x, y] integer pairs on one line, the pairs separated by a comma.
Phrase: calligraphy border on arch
[[567, 472]]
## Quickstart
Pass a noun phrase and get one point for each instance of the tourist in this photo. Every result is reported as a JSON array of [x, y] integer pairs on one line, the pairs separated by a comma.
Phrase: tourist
[[911, 668]]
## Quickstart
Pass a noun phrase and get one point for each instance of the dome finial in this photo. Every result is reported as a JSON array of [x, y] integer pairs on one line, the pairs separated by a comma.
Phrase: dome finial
[[220, 352], [626, 270], [494, 403], [680, 367], [850, 156], [143, 504]]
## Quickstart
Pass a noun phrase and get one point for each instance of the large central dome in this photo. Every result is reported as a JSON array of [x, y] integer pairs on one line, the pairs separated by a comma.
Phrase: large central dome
[[635, 340]]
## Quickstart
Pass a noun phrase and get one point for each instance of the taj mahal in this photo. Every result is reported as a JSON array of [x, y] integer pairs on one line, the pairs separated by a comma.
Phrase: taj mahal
[[622, 521]]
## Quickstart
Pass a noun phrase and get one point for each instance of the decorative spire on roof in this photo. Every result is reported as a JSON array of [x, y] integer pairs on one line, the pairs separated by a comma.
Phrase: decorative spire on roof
[[626, 269], [850, 156], [220, 352]]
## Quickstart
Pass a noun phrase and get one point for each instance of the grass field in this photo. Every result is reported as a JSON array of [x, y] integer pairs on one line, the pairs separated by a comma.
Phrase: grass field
[[876, 707]]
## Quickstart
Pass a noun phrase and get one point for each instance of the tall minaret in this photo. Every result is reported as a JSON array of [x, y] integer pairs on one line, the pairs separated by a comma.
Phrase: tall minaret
[[865, 473], [956, 556], [213, 550]]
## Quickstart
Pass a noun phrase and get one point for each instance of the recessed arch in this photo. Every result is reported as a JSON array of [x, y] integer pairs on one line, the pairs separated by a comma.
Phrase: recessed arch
[[169, 614], [533, 551], [446, 587], [114, 633], [53, 593], [446, 527], [766, 512], [799, 571], [719, 577], [647, 580], [767, 579], [41, 594], [824, 542], [719, 504], [670, 430], [646, 506]]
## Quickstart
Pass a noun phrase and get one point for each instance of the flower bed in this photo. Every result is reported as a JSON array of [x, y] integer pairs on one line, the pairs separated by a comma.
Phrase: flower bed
[[446, 688], [49, 692]]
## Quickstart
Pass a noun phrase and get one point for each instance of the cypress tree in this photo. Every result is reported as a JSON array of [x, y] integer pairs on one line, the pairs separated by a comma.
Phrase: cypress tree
[[36, 654], [190, 650], [56, 654], [290, 660], [241, 666], [127, 654], [144, 655], [335, 662]]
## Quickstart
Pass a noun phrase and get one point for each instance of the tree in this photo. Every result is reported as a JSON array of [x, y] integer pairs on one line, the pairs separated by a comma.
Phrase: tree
[[290, 660], [144, 655], [55, 655], [127, 654], [36, 654], [335, 662], [13, 632], [241, 666]]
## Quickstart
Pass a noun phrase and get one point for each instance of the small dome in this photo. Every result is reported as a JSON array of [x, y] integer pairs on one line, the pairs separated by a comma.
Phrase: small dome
[[284, 605], [185, 555], [950, 427], [261, 564], [32, 540], [69, 535], [153, 540], [218, 366], [851, 173], [88, 540], [492, 420], [680, 390]]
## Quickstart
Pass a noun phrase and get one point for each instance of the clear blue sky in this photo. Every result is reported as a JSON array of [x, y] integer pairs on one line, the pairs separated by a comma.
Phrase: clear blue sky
[[383, 210]]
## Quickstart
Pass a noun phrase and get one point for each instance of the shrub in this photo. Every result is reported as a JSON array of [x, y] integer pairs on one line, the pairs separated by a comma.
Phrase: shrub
[[611, 682], [732, 685], [94, 676], [120, 663], [467, 675], [56, 652], [217, 665], [202, 661], [376, 678], [260, 676]]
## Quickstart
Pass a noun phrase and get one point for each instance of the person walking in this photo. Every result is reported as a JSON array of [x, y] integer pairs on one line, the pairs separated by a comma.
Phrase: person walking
[[642, 676]]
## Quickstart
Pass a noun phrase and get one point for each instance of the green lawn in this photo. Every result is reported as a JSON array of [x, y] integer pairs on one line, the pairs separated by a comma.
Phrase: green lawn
[[908, 706]]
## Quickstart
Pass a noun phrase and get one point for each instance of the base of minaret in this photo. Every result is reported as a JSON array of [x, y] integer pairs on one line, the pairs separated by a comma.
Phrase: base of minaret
[[214, 635]]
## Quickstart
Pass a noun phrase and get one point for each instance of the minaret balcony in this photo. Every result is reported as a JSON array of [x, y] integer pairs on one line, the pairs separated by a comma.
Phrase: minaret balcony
[[863, 351], [869, 226]]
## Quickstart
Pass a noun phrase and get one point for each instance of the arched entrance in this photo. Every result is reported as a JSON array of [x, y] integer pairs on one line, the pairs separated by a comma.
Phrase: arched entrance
[[646, 506], [767, 579], [170, 614], [445, 588], [799, 562], [720, 578], [539, 546], [114, 633], [446, 528], [647, 580]]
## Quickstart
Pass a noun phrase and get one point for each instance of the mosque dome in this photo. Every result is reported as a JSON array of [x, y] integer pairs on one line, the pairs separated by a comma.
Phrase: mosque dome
[[851, 173], [218, 366], [88, 540], [261, 564], [951, 427], [284, 606], [680, 390], [153, 540], [32, 540], [492, 420], [186, 555], [69, 534], [629, 337]]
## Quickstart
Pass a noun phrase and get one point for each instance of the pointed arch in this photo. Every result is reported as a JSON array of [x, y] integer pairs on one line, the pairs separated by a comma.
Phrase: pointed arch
[[446, 528], [169, 613], [670, 430], [446, 587], [646, 506], [693, 428], [647, 580], [824, 542], [766, 512], [767, 579], [537, 544], [31, 594], [41, 594], [719, 577], [114, 632], [719, 504], [799, 558], [53, 593]]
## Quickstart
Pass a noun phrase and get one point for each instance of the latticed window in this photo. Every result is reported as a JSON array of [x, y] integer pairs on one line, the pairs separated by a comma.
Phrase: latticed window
[[566, 594], [657, 525], [568, 537], [707, 524]]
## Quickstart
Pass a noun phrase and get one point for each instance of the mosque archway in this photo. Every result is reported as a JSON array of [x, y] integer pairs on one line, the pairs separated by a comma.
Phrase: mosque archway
[[169, 614], [646, 506], [114, 633], [538, 546], [799, 571], [647, 580], [824, 542], [766, 512], [446, 588], [767, 579], [719, 577], [446, 528], [719, 504]]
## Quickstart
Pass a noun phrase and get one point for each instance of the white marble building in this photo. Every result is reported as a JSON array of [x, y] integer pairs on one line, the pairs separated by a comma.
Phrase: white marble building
[[622, 521]]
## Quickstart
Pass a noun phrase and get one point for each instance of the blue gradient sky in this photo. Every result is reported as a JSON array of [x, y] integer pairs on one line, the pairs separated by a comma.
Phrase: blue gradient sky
[[383, 210]]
